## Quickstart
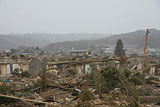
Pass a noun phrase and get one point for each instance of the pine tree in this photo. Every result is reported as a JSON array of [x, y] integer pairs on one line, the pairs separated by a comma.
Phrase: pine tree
[[119, 51]]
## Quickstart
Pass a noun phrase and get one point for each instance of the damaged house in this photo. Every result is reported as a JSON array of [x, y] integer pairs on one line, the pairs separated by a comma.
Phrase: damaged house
[[7, 66]]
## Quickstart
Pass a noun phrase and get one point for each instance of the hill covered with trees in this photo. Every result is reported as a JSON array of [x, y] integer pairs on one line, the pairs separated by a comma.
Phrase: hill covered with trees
[[134, 39]]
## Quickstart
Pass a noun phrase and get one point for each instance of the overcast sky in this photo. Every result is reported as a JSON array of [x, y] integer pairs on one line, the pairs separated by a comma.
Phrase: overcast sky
[[78, 16]]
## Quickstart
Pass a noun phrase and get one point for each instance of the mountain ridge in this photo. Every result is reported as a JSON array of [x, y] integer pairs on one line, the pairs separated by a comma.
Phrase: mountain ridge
[[54, 42], [9, 41], [134, 39]]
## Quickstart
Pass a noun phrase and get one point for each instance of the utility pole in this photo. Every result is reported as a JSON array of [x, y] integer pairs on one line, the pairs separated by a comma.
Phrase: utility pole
[[145, 48]]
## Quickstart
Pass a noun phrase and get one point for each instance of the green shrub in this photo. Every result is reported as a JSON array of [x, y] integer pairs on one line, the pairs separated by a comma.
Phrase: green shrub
[[84, 98], [5, 89], [138, 79], [72, 72]]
